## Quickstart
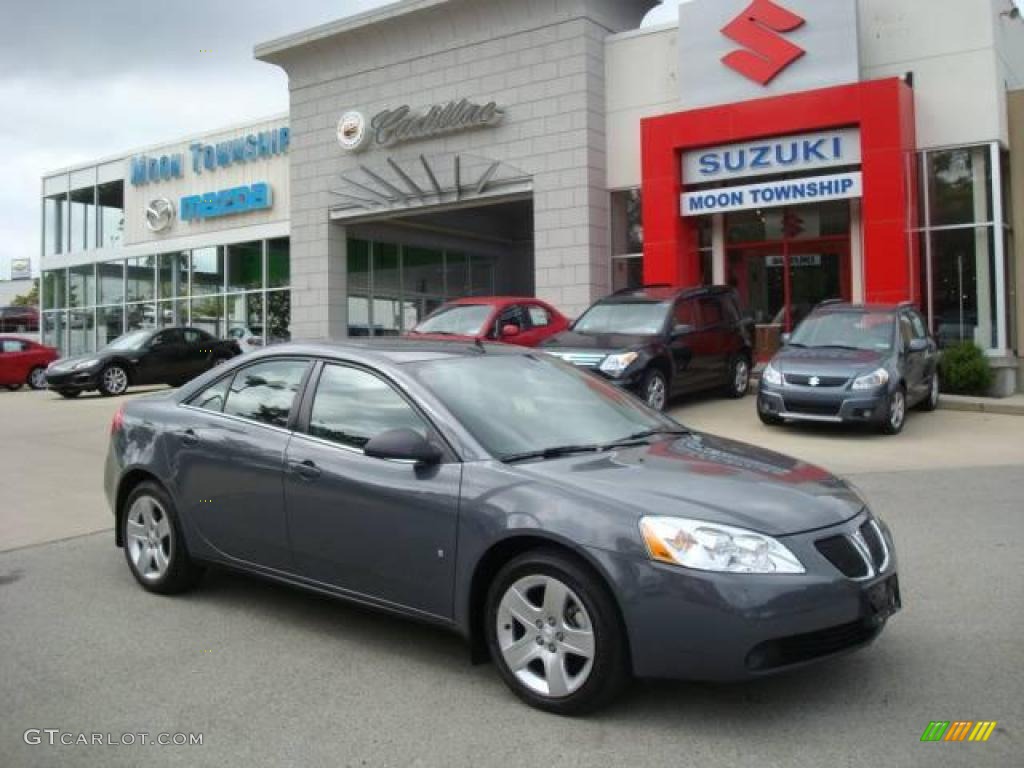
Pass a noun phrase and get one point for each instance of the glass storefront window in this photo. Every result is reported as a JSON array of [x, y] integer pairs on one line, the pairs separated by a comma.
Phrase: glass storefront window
[[456, 275], [207, 271], [55, 225], [140, 280], [54, 289], [278, 263], [798, 222], [172, 313], [82, 286], [245, 266], [110, 200], [208, 314], [54, 324], [481, 276], [172, 274], [245, 312], [422, 283], [110, 282], [138, 316], [963, 286], [959, 186], [81, 332], [627, 224], [109, 324], [279, 316], [627, 272], [83, 219], [358, 261]]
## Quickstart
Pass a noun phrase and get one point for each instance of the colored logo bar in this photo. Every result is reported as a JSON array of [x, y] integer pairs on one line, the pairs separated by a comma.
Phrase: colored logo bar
[[959, 730]]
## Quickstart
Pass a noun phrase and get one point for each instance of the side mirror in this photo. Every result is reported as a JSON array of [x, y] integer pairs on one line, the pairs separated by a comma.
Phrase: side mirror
[[683, 329], [918, 345], [403, 445], [784, 338], [509, 330]]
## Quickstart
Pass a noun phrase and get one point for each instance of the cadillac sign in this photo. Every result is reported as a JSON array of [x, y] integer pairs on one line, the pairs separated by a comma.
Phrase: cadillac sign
[[394, 126]]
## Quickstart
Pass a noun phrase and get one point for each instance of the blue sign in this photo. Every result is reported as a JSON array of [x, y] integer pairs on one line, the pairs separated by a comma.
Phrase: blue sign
[[164, 168], [837, 186], [210, 157], [227, 202]]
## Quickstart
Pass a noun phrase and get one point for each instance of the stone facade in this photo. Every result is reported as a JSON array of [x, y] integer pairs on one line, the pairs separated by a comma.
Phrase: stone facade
[[543, 61]]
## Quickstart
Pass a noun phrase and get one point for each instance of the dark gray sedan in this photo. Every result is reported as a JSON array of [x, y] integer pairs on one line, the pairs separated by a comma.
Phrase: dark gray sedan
[[567, 531]]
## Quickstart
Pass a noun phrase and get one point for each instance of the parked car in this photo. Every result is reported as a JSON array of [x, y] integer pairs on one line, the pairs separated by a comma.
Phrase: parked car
[[168, 356], [853, 363], [19, 320], [251, 338], [511, 320], [569, 532], [24, 362], [659, 341]]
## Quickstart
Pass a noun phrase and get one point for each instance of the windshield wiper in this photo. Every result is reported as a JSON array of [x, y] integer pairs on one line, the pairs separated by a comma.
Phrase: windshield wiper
[[837, 346], [551, 453], [639, 437]]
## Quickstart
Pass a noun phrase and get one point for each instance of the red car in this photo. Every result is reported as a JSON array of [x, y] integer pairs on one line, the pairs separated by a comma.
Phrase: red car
[[24, 362], [507, 319]]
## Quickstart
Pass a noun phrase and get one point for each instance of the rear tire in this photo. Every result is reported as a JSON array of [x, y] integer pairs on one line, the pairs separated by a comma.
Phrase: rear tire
[[654, 389], [153, 543], [739, 378], [70, 394], [13, 387], [931, 402], [37, 378], [579, 648]]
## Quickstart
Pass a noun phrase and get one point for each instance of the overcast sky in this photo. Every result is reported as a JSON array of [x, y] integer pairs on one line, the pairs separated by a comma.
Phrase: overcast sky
[[81, 79]]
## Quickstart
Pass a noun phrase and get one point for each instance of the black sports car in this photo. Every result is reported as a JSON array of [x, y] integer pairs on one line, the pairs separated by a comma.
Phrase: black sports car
[[168, 356]]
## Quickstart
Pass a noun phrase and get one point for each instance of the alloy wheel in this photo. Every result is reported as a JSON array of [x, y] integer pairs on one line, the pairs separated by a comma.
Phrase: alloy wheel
[[148, 538], [741, 377], [933, 391], [656, 393], [897, 410], [115, 380], [37, 378], [546, 636]]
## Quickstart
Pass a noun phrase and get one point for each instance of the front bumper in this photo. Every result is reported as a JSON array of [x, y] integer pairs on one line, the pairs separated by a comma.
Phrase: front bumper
[[825, 405], [697, 625], [79, 381]]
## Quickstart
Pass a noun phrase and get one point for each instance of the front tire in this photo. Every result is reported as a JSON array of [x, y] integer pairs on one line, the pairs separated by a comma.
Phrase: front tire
[[113, 381], [895, 413], [153, 543], [739, 378], [654, 389], [37, 378], [554, 633]]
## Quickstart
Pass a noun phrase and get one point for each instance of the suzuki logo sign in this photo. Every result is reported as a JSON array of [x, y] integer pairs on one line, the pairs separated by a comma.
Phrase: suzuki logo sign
[[737, 50], [758, 29]]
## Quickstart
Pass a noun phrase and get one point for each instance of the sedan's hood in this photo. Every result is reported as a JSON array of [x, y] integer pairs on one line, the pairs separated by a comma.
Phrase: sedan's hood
[[703, 477], [67, 363], [606, 343], [440, 337], [828, 361]]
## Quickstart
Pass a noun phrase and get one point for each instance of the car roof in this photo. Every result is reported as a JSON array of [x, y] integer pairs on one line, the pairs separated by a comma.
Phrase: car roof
[[397, 351], [663, 292], [494, 300], [844, 306]]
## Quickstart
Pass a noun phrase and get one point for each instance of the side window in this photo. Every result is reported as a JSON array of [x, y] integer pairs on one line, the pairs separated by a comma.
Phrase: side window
[[710, 313], [12, 345], [212, 398], [265, 392], [918, 323], [539, 317], [164, 338], [192, 336], [731, 311], [906, 330], [352, 406], [685, 313]]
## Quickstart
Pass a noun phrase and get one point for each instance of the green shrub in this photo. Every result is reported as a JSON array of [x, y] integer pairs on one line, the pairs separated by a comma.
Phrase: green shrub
[[964, 370]]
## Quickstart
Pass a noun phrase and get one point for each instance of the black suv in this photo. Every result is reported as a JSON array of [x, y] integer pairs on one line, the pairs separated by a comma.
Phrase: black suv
[[658, 341], [853, 363]]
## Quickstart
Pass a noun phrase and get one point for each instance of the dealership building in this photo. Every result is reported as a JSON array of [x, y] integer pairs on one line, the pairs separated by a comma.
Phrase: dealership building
[[798, 150]]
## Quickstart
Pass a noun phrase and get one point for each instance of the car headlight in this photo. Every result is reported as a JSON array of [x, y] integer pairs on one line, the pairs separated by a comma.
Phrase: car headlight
[[713, 547], [85, 364], [872, 380], [616, 365], [771, 376]]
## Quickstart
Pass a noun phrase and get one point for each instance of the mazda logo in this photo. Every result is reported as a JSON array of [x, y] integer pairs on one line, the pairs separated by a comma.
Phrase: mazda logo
[[159, 214]]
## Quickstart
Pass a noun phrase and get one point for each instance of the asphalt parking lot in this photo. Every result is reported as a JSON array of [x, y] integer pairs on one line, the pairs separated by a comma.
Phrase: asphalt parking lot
[[270, 676]]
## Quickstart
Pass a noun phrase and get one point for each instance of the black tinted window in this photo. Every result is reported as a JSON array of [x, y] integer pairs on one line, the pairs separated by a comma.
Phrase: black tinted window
[[192, 336], [710, 313], [265, 392], [352, 406], [212, 398], [167, 337]]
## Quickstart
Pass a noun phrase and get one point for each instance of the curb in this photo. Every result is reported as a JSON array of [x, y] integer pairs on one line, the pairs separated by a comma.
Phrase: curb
[[980, 405]]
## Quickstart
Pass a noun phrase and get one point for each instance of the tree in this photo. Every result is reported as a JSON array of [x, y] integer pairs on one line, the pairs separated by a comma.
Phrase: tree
[[30, 299]]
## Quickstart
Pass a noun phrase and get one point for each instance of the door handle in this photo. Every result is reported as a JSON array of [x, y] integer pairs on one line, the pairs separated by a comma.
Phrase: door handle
[[189, 437], [307, 469]]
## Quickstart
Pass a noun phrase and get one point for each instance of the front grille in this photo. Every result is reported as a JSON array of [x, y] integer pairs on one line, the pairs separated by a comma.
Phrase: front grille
[[842, 553], [812, 645], [582, 359], [812, 408], [804, 380], [873, 539]]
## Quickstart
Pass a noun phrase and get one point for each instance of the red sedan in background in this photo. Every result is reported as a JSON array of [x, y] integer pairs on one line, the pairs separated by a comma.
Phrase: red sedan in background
[[24, 362], [508, 319]]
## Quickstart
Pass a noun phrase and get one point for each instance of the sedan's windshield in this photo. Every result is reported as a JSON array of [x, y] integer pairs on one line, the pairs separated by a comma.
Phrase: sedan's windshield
[[508, 403], [853, 330], [457, 320], [641, 319], [132, 340]]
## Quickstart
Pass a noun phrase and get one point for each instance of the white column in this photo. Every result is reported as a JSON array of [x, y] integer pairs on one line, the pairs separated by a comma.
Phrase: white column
[[983, 274], [999, 249]]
